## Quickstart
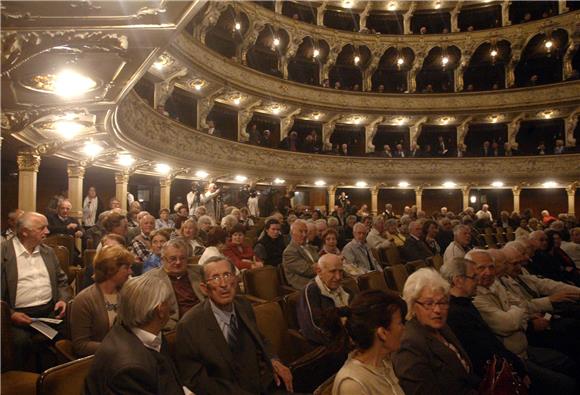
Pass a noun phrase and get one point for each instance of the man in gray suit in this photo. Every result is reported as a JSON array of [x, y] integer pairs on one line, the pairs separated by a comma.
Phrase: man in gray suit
[[358, 252], [182, 278], [299, 259], [33, 284]]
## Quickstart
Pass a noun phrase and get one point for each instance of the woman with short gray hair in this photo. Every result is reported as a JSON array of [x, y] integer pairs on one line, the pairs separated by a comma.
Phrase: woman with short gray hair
[[431, 359]]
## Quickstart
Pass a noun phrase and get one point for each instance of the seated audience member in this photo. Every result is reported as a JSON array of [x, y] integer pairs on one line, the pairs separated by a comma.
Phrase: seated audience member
[[415, 248], [62, 223], [220, 348], [546, 263], [523, 230], [445, 234], [270, 246], [347, 230], [431, 359], [376, 324], [329, 242], [114, 223], [503, 221], [142, 242], [320, 295], [189, 232], [393, 234], [466, 321], [216, 243], [10, 231], [375, 237], [321, 225], [549, 370], [228, 222], [460, 245], [358, 253], [547, 219], [95, 308], [180, 277], [245, 218], [181, 217], [158, 239], [33, 284], [572, 247], [430, 231], [312, 238], [204, 223], [298, 259], [164, 222], [134, 358], [241, 255]]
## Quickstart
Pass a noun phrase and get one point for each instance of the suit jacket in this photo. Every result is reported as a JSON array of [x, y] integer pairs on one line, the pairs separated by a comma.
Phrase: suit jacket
[[124, 366], [414, 249], [424, 365], [205, 362], [353, 253], [58, 279], [298, 266], [57, 226], [195, 274], [89, 321]]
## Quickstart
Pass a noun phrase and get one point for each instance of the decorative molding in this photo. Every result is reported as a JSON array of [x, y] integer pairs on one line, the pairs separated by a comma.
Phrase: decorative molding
[[28, 160]]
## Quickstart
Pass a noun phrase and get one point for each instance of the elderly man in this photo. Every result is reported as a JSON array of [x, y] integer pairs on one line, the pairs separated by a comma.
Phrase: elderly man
[[220, 348], [572, 247], [298, 259], [33, 284], [180, 277], [142, 242], [415, 248], [321, 294], [545, 264], [134, 358], [312, 236], [375, 237], [550, 370], [389, 213], [358, 253], [62, 223], [460, 245], [10, 231], [484, 213], [270, 245]]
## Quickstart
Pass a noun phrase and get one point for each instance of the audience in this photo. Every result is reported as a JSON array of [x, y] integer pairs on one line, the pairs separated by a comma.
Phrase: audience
[[189, 232], [142, 242], [298, 259], [572, 247]]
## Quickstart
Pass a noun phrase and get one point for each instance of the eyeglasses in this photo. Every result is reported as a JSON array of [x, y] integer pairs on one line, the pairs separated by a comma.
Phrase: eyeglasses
[[218, 278], [430, 305]]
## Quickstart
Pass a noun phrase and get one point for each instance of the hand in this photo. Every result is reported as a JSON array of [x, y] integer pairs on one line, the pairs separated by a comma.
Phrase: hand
[[257, 265], [60, 305], [71, 226], [78, 233], [564, 296], [20, 319], [281, 372], [527, 381], [540, 324]]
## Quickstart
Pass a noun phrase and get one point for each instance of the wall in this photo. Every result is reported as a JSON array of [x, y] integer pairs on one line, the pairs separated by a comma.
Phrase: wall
[[399, 198], [553, 200], [434, 199]]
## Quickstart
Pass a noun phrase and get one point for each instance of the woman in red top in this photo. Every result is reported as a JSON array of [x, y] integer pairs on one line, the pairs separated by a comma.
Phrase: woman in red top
[[241, 255]]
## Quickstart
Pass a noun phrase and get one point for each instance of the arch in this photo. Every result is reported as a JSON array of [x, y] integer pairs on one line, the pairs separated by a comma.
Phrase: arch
[[435, 76], [346, 70], [223, 37], [391, 74], [487, 72], [264, 55], [304, 67]]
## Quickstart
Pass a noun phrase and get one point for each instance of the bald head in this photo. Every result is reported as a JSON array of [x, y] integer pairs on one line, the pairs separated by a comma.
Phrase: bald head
[[538, 240], [329, 269]]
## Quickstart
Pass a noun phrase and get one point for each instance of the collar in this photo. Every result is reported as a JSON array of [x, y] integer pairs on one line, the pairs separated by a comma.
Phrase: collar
[[148, 339], [324, 290], [224, 316], [415, 237], [19, 248], [144, 236], [61, 218]]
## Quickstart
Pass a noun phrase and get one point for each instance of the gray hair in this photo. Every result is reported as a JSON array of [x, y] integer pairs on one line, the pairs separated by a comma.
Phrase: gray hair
[[296, 223], [350, 217], [359, 225], [320, 222], [205, 219], [178, 243], [457, 267], [332, 221], [460, 228], [518, 245], [229, 220], [378, 219], [146, 216], [417, 282], [324, 259], [479, 251], [217, 258], [139, 299], [26, 221], [391, 222]]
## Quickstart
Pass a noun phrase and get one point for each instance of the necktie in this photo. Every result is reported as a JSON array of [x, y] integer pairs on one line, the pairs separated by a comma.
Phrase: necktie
[[232, 331], [527, 288], [371, 266]]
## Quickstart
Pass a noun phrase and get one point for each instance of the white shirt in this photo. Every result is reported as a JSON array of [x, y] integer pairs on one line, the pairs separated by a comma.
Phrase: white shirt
[[454, 250], [33, 287], [90, 211]]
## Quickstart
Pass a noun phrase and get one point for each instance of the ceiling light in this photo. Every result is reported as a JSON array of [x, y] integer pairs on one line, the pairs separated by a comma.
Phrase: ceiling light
[[320, 183], [404, 184], [316, 53], [449, 184], [547, 114], [550, 184], [361, 184], [315, 115], [400, 61], [445, 60], [437, 4], [197, 84], [238, 26], [356, 119], [162, 168], [548, 44], [400, 121], [497, 184], [473, 198], [493, 53], [276, 41], [240, 178], [68, 129], [201, 174], [494, 118], [356, 59], [125, 160], [92, 149], [275, 109], [445, 120], [347, 4], [392, 5], [70, 84], [279, 181], [237, 100]]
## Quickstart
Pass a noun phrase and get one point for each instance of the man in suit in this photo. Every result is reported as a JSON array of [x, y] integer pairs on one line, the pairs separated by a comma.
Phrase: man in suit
[[220, 349], [62, 223], [415, 248], [182, 278], [133, 358], [33, 284], [357, 252], [211, 129], [298, 259]]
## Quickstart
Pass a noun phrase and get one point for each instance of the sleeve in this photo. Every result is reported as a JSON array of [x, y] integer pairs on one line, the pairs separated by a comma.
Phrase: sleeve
[[140, 250], [309, 311], [502, 323], [348, 254], [414, 372], [349, 386], [260, 252], [133, 380], [236, 259], [547, 286], [294, 263], [81, 323]]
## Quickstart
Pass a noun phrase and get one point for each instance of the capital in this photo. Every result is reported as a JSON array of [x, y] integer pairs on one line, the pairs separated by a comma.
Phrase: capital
[[28, 161], [74, 170], [122, 177]]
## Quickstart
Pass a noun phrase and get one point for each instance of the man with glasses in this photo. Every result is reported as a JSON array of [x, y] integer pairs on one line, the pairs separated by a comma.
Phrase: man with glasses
[[220, 349], [183, 279]]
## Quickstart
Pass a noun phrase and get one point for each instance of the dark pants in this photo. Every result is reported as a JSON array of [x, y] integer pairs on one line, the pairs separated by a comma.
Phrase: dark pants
[[551, 372], [562, 336]]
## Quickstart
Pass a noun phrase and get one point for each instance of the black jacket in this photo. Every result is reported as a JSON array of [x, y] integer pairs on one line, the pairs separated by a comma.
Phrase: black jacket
[[270, 250]]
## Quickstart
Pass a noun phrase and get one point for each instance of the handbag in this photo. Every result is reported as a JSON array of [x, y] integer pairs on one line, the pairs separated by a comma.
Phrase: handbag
[[501, 379]]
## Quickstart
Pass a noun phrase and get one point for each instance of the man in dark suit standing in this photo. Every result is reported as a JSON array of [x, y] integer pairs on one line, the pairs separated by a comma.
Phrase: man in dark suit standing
[[133, 358], [33, 284], [212, 130], [220, 349]]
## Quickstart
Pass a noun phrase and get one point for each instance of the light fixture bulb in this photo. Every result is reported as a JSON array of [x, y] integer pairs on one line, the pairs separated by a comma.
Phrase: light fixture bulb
[[279, 181], [316, 53], [162, 168], [493, 53], [392, 5], [69, 83], [92, 149], [320, 183], [549, 44], [238, 26], [473, 199], [404, 184], [445, 60], [237, 101], [550, 184], [356, 59], [347, 4], [68, 129], [125, 160], [201, 174], [241, 178], [497, 184], [276, 41], [400, 61], [449, 184], [361, 184]]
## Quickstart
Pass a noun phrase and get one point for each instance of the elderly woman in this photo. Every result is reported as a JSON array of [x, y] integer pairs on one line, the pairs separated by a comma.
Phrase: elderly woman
[[228, 222], [158, 240], [189, 232], [241, 255], [164, 222], [329, 242], [204, 222], [95, 308], [431, 360], [375, 324]]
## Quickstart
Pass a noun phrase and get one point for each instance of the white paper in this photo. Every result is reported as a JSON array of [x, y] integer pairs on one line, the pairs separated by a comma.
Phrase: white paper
[[49, 320], [44, 329]]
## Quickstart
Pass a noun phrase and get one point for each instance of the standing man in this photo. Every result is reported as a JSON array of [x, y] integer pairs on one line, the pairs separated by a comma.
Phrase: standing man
[[212, 202], [92, 208], [194, 198]]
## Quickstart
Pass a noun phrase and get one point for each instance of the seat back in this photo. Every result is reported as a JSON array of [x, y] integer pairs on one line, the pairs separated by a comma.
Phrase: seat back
[[88, 257], [79, 279], [500, 236], [291, 310], [488, 231], [66, 379], [393, 255], [437, 261], [489, 241], [372, 280], [282, 275], [413, 266], [262, 282], [315, 368], [67, 241], [397, 276], [350, 285], [272, 325], [6, 339], [63, 255], [65, 351]]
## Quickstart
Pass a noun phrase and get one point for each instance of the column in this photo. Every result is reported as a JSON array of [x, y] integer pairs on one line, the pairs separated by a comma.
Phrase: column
[[320, 14], [562, 8], [331, 198], [516, 191], [454, 21], [278, 6], [505, 13], [375, 199], [465, 191], [419, 197], [569, 126], [121, 182], [571, 191], [165, 192], [28, 164], [76, 175]]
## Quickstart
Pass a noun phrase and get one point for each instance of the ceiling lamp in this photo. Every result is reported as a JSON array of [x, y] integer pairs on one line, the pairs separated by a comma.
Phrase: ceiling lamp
[[125, 160], [473, 198], [493, 53], [69, 83], [347, 4], [316, 115], [197, 84], [548, 114], [240, 178], [392, 6], [445, 60], [238, 26], [315, 53], [437, 4], [201, 174], [276, 109], [237, 100], [449, 184], [356, 59], [404, 184], [162, 168], [549, 44], [276, 41], [400, 61], [68, 129], [497, 184], [279, 181], [92, 149], [550, 184], [361, 184], [320, 183]]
